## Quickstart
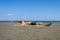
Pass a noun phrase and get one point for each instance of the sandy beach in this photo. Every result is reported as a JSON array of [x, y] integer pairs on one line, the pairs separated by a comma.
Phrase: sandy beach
[[10, 32]]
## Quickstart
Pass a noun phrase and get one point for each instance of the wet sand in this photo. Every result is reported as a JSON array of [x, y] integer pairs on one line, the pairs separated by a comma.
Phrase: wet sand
[[10, 32]]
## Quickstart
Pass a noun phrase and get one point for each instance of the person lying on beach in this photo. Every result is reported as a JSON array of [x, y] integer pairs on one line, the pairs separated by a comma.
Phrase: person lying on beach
[[31, 23]]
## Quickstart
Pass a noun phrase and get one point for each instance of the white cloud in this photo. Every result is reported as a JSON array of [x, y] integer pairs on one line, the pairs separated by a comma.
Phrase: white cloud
[[9, 14]]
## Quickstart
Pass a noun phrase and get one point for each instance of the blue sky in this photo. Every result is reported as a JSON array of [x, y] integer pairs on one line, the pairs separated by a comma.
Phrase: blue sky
[[29, 9]]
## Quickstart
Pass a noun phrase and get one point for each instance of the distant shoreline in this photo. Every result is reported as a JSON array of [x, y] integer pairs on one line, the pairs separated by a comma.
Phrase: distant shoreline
[[35, 21]]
